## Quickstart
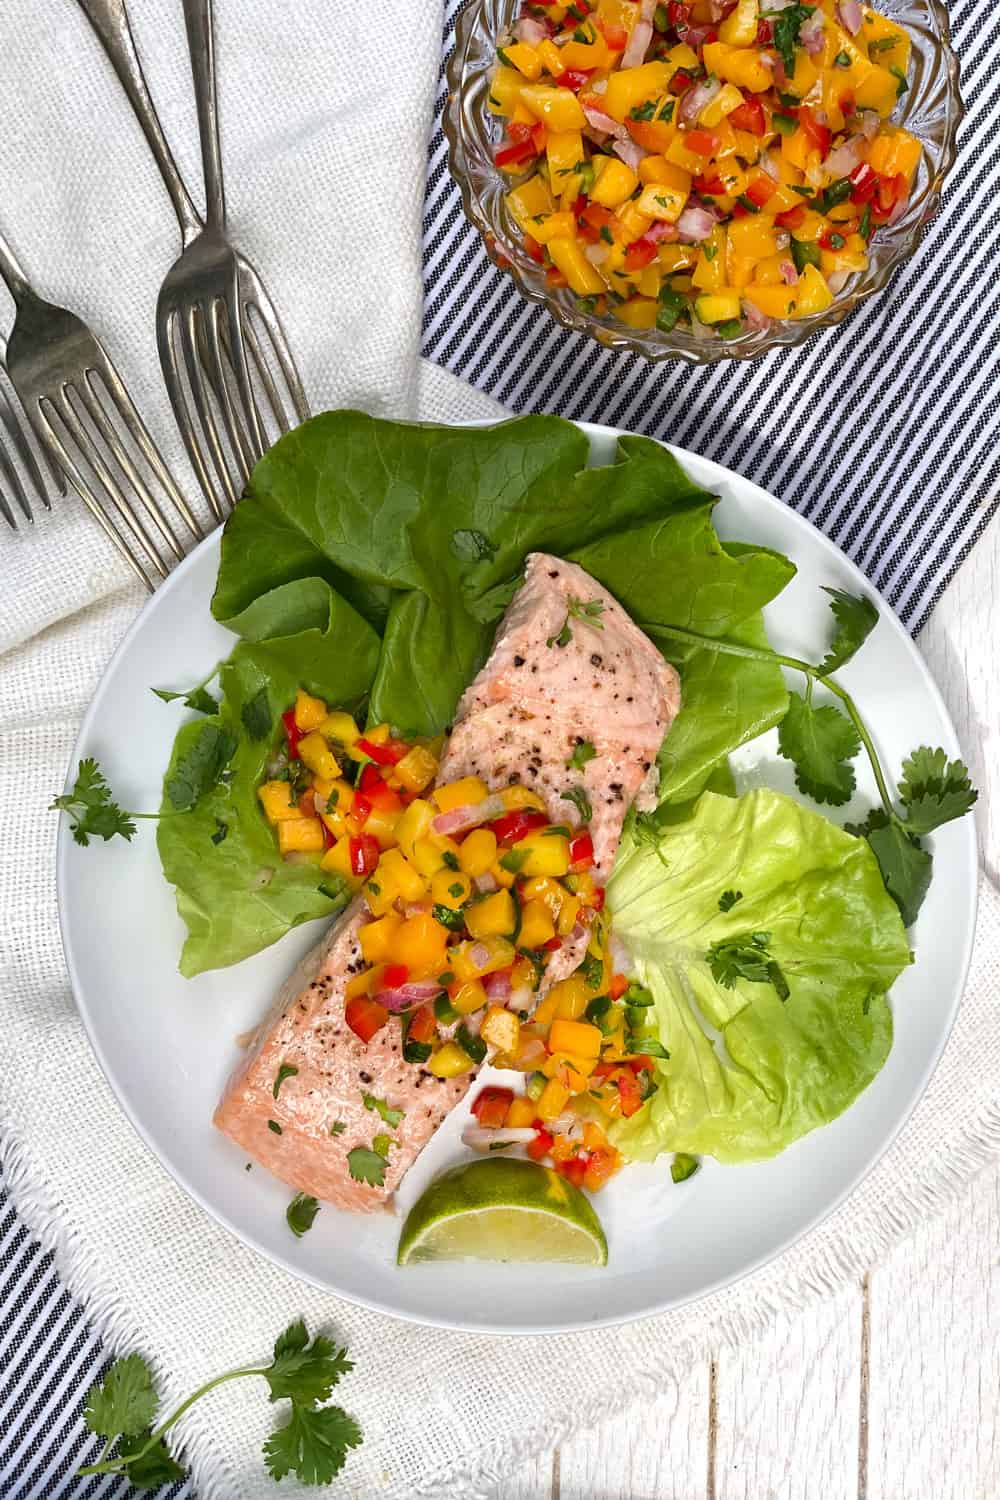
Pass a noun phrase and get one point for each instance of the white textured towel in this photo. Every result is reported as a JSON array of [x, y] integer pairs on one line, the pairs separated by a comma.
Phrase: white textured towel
[[325, 114]]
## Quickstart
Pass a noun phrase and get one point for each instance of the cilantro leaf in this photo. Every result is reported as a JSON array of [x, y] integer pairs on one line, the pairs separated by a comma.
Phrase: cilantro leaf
[[587, 610], [683, 1166], [255, 715], [581, 802], [124, 1402], [201, 701], [302, 1371], [746, 956], [728, 900], [312, 1445], [785, 29], [154, 1468], [338, 1127], [934, 790], [820, 742], [301, 1214], [906, 866], [472, 546], [583, 751], [563, 638], [366, 1166], [200, 767], [287, 1070], [856, 618], [92, 812], [381, 1144], [391, 1117]]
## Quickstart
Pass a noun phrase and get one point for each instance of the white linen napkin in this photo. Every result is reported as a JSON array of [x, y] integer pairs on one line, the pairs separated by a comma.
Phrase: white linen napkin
[[325, 113]]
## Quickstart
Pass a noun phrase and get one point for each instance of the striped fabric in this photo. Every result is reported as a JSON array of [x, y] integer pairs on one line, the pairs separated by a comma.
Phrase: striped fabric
[[883, 432]]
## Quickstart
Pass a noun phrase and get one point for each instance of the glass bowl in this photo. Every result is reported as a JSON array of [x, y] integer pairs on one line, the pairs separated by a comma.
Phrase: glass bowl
[[932, 110]]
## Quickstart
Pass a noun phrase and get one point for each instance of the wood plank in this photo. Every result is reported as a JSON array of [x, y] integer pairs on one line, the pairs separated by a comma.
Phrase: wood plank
[[657, 1450], [788, 1408], [935, 1357]]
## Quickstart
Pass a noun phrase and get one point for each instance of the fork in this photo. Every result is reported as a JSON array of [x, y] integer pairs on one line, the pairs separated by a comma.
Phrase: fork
[[88, 427], [212, 299], [14, 489]]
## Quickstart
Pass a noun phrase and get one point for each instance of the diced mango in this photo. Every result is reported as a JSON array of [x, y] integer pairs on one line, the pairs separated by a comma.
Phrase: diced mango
[[752, 237], [396, 869], [879, 91], [631, 87], [414, 825], [522, 1113], [477, 851], [522, 57], [560, 109], [739, 28], [505, 91], [465, 792], [738, 65], [588, 56], [718, 307], [300, 836], [580, 274], [638, 312], [451, 888], [524, 202], [569, 999], [554, 227], [895, 152], [449, 1061], [338, 859], [340, 728], [377, 938], [554, 1098], [614, 183], [681, 156], [715, 111], [677, 257], [468, 998], [577, 1037], [661, 201], [501, 1029], [682, 56], [502, 877], [494, 916], [568, 913], [537, 926], [516, 797], [710, 272], [315, 753], [276, 800], [381, 823], [310, 712], [814, 294], [542, 853], [420, 945], [564, 154], [417, 769], [551, 58], [466, 961], [632, 224]]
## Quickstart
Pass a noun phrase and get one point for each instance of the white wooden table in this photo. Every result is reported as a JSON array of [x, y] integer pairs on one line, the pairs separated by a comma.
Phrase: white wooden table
[[890, 1391]]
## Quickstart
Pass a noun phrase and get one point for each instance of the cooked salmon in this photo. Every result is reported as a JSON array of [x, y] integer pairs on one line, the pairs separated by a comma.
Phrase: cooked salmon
[[568, 669]]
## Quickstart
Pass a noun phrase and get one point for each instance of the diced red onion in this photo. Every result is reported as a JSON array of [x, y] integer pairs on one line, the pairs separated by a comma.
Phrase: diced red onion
[[695, 224], [849, 15], [718, 8], [479, 955], [600, 121], [520, 998], [595, 137], [531, 1054], [473, 1023], [768, 164], [842, 161], [779, 4], [630, 152], [755, 319], [497, 986], [485, 884], [694, 99], [638, 44], [406, 996], [870, 122], [788, 272], [647, 9], [782, 239], [838, 280], [597, 254], [263, 877], [811, 34], [661, 230], [697, 36], [478, 1139], [532, 31], [778, 68], [567, 1125], [459, 819]]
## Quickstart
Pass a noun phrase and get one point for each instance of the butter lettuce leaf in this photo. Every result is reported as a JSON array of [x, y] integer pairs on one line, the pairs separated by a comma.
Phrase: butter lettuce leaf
[[748, 1073]]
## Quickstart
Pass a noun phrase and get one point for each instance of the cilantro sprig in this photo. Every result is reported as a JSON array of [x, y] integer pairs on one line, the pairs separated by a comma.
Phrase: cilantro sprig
[[313, 1443], [747, 956], [822, 740], [92, 811]]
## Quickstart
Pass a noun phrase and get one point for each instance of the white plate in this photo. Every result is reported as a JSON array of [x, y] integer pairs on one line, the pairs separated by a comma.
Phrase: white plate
[[167, 1044]]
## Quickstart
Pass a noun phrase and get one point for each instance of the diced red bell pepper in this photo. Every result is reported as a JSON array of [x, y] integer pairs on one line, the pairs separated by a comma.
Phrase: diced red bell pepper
[[680, 82], [618, 986], [890, 191], [678, 14], [819, 136], [864, 183], [552, 945], [555, 277], [592, 219], [792, 218], [826, 240], [293, 733], [490, 1107], [615, 36], [573, 78], [848, 105], [540, 1146], [370, 778], [641, 1064], [710, 187], [765, 34], [579, 204], [628, 1092], [574, 1170], [761, 190], [364, 854], [389, 754], [639, 254], [597, 899], [740, 211], [386, 798], [581, 852], [602, 1071], [328, 838], [394, 975], [307, 805], [513, 826], [517, 130], [703, 142], [749, 116], [361, 806], [510, 156], [423, 1025], [534, 250], [365, 1016]]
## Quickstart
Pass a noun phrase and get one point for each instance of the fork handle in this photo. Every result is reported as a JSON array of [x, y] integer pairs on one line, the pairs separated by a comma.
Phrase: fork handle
[[13, 273], [109, 19], [201, 44]]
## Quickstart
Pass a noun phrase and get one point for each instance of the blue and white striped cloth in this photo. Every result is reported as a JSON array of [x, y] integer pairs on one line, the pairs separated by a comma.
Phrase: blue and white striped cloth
[[884, 432]]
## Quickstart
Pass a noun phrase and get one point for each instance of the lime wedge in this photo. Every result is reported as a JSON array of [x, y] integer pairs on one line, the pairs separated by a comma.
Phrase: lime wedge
[[502, 1210]]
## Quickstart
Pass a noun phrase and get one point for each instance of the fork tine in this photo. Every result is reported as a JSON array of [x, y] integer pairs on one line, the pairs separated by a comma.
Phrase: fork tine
[[232, 415], [260, 303], [206, 417], [119, 453], [143, 440], [88, 448], [238, 350], [13, 480], [166, 330], [19, 428], [24, 451], [263, 371], [57, 453]]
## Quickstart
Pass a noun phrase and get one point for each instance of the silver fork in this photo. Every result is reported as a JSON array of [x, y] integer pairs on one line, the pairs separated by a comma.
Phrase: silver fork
[[213, 310], [89, 428], [13, 489]]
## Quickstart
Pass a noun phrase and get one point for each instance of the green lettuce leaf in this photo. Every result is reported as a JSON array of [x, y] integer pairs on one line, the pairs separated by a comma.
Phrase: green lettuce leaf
[[749, 1074], [234, 892]]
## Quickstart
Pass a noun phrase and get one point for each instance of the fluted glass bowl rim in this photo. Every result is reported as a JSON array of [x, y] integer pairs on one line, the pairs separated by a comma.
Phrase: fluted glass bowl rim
[[654, 345]]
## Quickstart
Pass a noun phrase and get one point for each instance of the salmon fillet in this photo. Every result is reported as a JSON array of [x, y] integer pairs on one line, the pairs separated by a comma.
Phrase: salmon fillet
[[520, 720]]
